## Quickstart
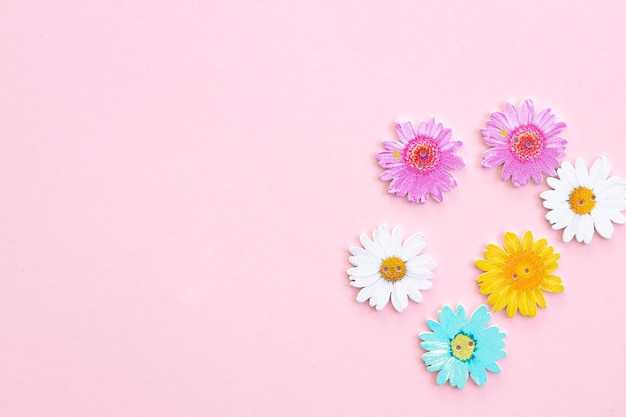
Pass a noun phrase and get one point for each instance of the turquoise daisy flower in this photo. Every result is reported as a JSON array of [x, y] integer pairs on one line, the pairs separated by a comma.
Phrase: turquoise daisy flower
[[459, 347]]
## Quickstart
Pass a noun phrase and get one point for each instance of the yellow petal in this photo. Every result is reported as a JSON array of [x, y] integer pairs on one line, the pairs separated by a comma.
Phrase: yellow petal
[[490, 283], [527, 241], [539, 297], [528, 305], [552, 283], [539, 246], [512, 302], [496, 253], [499, 298], [487, 265], [511, 242]]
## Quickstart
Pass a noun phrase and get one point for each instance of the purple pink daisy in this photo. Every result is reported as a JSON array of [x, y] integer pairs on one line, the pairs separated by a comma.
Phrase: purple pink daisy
[[525, 143], [418, 165]]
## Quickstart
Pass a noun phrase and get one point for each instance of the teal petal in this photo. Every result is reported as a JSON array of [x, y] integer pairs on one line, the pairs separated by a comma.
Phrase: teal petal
[[461, 316], [436, 346], [435, 357], [480, 317], [459, 374], [437, 335], [488, 353], [446, 369], [478, 373], [448, 321], [437, 329], [492, 367]]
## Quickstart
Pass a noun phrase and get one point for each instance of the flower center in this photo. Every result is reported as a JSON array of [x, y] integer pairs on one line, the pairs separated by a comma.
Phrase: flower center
[[582, 200], [462, 347], [393, 269], [526, 143], [524, 270], [422, 154]]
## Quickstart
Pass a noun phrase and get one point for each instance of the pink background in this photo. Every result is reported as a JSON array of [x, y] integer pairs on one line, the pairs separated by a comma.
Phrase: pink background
[[180, 182]]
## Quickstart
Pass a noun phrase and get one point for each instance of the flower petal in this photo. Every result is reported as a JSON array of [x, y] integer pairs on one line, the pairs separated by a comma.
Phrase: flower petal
[[405, 131], [399, 297], [412, 247], [511, 115]]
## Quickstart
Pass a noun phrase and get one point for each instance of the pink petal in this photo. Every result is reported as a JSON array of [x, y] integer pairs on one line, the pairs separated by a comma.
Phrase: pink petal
[[526, 112], [494, 157], [542, 118], [500, 118], [451, 161], [405, 131], [511, 115]]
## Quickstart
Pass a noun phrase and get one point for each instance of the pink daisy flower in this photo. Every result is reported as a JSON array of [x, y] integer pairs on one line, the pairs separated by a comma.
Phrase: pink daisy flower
[[526, 143], [418, 165]]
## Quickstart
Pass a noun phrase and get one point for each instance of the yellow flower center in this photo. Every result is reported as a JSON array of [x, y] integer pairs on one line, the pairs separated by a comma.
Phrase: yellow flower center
[[462, 347], [525, 270], [582, 200], [393, 269]]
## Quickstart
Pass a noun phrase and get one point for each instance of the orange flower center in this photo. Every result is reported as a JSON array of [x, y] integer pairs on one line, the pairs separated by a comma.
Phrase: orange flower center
[[393, 269], [422, 154], [525, 270], [526, 143], [582, 200]]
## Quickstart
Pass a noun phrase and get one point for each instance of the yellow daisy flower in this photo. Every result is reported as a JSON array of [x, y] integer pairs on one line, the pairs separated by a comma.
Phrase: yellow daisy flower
[[516, 276]]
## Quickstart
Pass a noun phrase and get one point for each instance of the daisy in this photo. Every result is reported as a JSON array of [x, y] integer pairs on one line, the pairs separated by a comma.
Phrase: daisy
[[418, 165], [516, 275], [458, 347], [526, 143], [385, 267], [581, 201]]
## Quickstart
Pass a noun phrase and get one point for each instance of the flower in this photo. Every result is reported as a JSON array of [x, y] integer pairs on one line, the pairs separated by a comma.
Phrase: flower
[[457, 347], [514, 277], [418, 165], [581, 201], [385, 267], [527, 144]]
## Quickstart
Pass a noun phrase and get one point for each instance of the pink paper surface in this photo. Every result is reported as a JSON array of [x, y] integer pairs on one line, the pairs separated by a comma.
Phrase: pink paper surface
[[180, 182]]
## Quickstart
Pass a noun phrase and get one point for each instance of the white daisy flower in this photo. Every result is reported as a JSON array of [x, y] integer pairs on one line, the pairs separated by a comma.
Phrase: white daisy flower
[[385, 267], [581, 201]]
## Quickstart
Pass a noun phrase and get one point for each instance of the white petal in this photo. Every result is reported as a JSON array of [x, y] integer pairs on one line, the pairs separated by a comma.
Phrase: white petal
[[599, 171], [380, 299], [421, 284], [617, 217], [414, 290], [556, 204], [556, 183], [611, 185], [364, 259], [602, 223], [570, 230], [560, 218], [412, 246], [396, 241], [363, 270], [419, 273], [554, 196], [581, 173], [382, 236], [567, 174], [368, 292], [421, 262], [585, 229], [373, 247], [399, 296], [366, 281]]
